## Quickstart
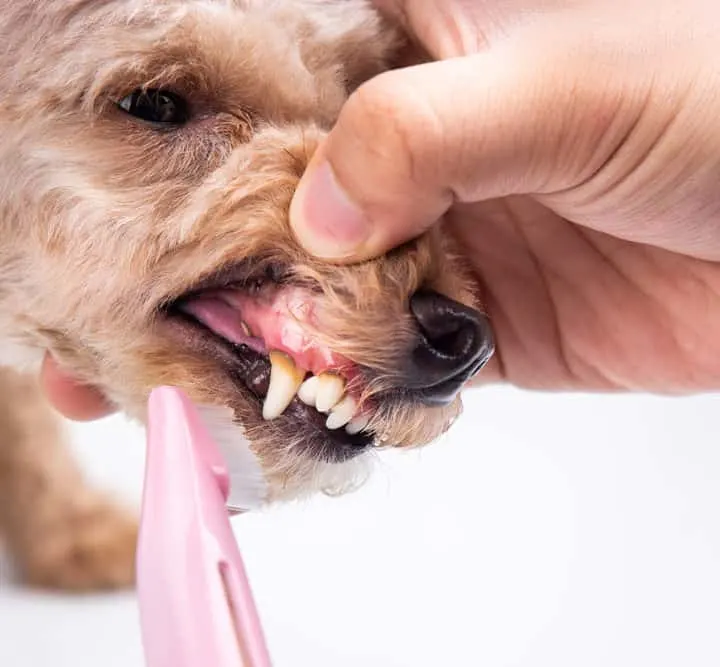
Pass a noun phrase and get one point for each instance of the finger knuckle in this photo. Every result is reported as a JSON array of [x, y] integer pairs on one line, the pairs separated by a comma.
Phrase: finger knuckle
[[395, 121]]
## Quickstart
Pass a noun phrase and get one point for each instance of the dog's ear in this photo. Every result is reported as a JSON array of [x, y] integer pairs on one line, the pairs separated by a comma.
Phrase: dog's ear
[[356, 37]]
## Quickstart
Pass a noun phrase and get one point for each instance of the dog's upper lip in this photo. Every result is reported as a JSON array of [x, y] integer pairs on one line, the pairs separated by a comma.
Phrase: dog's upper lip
[[257, 302], [271, 318], [236, 274]]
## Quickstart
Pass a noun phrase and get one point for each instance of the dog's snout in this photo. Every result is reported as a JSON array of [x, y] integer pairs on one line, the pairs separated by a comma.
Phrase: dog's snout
[[454, 342]]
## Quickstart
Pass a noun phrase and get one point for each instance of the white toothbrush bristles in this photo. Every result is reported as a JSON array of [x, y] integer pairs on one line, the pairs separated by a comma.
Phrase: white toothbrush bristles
[[248, 488]]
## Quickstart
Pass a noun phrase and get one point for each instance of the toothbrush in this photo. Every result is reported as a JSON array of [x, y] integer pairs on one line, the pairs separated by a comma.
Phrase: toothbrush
[[196, 605]]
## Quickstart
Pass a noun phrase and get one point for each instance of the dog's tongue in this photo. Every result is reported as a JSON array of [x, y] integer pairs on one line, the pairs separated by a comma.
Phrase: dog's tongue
[[264, 323]]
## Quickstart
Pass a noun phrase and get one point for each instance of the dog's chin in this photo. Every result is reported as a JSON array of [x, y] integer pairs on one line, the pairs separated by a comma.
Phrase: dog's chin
[[240, 322]]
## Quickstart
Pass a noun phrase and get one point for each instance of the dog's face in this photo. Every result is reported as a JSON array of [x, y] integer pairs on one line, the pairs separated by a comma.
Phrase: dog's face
[[150, 152]]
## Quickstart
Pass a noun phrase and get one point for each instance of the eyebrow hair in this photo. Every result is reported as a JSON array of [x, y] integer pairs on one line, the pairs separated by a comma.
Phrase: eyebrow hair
[[177, 67]]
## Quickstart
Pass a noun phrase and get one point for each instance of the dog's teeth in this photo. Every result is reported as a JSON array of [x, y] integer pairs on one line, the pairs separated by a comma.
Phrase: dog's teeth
[[342, 413], [245, 329], [285, 380], [308, 391], [358, 424], [330, 390]]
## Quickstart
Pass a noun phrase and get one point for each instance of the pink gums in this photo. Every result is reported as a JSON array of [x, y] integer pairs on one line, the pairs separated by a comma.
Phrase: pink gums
[[275, 318]]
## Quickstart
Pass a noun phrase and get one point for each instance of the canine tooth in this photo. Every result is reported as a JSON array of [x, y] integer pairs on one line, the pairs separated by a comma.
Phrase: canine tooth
[[342, 413], [331, 388], [245, 329], [308, 391], [358, 424], [285, 380]]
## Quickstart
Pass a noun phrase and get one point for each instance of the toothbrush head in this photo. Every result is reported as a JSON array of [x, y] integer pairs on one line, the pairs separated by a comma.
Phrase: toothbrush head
[[248, 488]]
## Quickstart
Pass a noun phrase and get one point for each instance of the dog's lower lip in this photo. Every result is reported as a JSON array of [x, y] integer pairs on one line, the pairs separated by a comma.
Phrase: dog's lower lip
[[249, 371]]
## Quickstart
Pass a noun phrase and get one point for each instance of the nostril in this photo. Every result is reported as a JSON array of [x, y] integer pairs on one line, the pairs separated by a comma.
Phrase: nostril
[[449, 329], [455, 341]]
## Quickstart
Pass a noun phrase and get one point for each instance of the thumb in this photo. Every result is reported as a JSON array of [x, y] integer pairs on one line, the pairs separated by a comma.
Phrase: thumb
[[411, 142]]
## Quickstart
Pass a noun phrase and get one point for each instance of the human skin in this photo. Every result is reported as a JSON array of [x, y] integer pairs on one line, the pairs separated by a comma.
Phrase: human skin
[[575, 152]]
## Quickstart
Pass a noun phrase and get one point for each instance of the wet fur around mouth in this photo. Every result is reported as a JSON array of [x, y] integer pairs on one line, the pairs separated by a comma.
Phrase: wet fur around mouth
[[106, 220]]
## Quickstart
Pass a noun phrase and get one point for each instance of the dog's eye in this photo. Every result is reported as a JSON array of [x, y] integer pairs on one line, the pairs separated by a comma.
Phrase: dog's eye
[[156, 106]]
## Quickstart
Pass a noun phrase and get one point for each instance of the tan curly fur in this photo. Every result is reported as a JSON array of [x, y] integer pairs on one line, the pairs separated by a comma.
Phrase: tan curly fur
[[103, 219]]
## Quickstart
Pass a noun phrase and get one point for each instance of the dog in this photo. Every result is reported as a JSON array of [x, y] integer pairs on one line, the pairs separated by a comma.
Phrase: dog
[[150, 150]]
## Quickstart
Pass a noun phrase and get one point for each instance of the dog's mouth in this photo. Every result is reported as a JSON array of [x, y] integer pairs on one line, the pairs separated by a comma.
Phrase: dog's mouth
[[258, 329]]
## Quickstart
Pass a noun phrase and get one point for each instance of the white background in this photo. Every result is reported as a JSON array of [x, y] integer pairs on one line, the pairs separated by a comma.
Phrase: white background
[[544, 531]]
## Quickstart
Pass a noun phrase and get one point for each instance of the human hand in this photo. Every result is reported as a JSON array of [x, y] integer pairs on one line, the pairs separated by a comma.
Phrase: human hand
[[574, 150]]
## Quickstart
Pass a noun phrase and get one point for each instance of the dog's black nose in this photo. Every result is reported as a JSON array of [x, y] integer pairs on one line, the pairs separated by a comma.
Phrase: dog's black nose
[[454, 343]]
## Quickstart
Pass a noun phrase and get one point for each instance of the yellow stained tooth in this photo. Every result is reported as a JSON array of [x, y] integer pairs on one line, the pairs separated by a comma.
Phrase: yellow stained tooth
[[358, 424], [342, 413], [285, 380], [331, 388]]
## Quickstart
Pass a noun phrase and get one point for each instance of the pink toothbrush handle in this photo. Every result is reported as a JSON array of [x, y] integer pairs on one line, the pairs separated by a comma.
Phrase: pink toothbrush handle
[[196, 606]]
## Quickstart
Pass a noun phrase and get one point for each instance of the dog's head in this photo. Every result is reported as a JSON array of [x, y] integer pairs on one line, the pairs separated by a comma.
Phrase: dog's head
[[150, 152]]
